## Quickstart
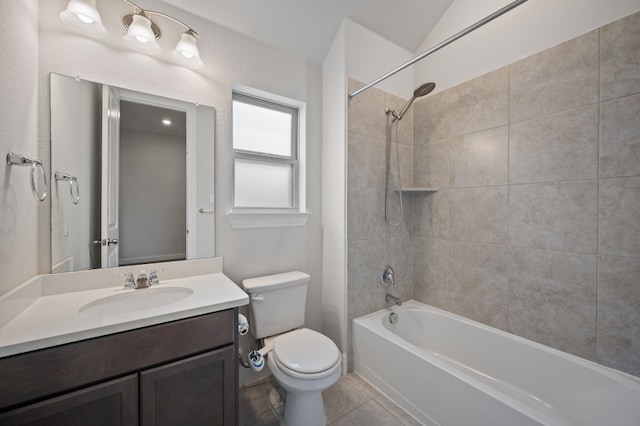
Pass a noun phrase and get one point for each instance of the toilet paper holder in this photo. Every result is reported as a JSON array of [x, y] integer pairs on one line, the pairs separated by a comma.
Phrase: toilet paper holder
[[243, 325]]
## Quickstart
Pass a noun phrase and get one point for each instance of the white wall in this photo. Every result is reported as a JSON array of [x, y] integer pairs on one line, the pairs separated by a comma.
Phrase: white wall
[[20, 213], [75, 128], [369, 56], [334, 116], [530, 28], [229, 58], [361, 54]]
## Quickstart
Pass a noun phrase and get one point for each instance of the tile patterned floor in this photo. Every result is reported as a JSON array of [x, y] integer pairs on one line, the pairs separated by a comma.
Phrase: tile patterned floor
[[350, 402]]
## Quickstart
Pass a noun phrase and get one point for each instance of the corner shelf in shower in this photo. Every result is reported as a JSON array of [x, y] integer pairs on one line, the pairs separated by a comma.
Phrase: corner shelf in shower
[[418, 190]]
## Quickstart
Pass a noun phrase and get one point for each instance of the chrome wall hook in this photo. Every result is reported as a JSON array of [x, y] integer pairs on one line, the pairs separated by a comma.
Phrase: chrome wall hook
[[21, 160]]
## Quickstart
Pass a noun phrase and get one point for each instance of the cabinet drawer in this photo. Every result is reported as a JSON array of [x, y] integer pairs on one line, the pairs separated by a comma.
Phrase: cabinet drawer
[[35, 375]]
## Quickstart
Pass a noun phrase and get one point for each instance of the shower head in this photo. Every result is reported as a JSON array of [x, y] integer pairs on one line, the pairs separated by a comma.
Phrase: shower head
[[422, 90]]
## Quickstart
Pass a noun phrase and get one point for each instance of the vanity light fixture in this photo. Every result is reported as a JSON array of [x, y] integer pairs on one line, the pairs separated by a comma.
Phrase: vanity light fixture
[[142, 32]]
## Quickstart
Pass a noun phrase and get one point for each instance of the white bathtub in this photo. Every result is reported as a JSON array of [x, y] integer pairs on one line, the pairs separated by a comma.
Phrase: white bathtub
[[448, 370]]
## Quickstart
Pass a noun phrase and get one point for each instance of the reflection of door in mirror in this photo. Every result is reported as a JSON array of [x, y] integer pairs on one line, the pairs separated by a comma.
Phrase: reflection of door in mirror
[[110, 187], [141, 182]]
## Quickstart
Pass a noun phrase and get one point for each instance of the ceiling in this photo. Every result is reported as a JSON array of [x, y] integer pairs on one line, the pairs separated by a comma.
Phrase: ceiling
[[307, 27], [148, 118]]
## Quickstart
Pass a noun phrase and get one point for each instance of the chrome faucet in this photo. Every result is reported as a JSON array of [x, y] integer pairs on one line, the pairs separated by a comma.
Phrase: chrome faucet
[[389, 298]]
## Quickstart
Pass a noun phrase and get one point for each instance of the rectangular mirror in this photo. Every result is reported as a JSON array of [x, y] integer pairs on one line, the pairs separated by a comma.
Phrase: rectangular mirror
[[132, 177]]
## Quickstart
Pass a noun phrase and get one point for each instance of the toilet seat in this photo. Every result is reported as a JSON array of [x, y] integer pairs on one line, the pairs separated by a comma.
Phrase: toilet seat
[[306, 354]]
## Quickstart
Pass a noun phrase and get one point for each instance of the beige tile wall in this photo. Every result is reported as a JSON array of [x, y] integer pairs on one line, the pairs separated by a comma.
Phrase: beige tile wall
[[371, 242], [536, 227]]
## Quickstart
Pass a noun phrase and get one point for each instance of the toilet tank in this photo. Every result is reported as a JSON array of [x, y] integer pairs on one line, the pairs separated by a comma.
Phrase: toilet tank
[[277, 302]]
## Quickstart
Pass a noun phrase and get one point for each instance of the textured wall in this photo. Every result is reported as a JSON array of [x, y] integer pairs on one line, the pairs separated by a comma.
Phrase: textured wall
[[19, 210], [229, 58], [535, 229], [371, 242], [33, 47]]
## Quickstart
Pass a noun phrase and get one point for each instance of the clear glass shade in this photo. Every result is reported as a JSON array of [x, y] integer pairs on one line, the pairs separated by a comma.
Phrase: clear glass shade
[[140, 36], [82, 15], [186, 52]]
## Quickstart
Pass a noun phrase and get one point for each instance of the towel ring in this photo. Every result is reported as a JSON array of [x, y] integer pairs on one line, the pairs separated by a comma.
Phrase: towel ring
[[21, 160], [34, 166], [66, 177]]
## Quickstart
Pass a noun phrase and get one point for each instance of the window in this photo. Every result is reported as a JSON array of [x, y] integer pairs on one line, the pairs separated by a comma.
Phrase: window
[[267, 161]]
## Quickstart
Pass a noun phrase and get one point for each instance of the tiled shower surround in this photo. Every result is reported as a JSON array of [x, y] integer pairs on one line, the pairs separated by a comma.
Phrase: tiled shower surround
[[535, 227]]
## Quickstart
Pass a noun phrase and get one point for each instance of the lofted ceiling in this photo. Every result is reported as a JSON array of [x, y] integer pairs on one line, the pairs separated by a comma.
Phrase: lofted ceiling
[[307, 27]]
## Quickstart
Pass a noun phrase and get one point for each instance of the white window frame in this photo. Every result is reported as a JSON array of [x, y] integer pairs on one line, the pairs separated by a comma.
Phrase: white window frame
[[242, 217]]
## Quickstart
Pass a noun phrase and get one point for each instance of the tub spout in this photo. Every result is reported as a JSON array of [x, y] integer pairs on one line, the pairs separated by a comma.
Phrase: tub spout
[[389, 298]]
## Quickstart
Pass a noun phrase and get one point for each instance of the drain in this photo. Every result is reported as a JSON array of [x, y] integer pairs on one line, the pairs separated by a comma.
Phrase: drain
[[393, 318]]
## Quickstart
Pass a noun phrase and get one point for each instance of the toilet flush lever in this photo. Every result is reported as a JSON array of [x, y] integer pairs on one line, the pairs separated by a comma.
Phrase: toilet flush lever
[[257, 298]]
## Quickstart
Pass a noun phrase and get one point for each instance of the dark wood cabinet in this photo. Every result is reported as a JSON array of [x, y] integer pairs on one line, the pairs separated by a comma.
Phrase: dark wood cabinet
[[113, 403], [196, 391], [180, 373]]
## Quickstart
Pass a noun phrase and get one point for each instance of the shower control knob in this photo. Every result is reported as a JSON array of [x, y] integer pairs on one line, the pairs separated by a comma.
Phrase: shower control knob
[[386, 276]]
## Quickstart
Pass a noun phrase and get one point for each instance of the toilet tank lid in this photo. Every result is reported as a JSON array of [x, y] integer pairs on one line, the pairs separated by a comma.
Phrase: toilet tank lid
[[272, 282]]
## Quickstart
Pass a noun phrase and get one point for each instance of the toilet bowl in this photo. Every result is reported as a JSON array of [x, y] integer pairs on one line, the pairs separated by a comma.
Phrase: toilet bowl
[[303, 361]]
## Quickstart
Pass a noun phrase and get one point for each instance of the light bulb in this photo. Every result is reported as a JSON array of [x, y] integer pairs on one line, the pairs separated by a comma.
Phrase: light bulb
[[84, 18]]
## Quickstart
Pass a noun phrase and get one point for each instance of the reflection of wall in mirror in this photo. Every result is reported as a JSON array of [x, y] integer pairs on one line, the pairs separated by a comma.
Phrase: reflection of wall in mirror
[[75, 122], [152, 197]]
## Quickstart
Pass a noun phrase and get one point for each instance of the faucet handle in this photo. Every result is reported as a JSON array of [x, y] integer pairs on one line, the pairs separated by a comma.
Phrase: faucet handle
[[129, 281], [386, 276], [153, 276]]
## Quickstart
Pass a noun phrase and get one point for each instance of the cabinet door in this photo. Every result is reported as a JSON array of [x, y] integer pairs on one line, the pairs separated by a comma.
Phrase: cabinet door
[[111, 403], [195, 391]]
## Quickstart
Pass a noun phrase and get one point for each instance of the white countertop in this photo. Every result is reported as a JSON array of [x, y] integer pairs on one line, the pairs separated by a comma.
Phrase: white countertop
[[49, 318]]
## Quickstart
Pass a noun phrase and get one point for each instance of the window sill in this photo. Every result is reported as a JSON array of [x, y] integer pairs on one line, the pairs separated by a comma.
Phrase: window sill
[[260, 220]]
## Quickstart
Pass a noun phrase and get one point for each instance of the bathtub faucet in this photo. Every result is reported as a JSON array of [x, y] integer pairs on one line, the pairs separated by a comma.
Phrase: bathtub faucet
[[389, 298]]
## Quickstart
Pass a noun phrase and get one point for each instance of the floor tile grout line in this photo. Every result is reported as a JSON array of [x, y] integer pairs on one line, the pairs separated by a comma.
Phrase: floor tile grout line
[[350, 411]]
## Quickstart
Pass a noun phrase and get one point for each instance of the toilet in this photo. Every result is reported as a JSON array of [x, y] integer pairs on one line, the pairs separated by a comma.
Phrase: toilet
[[303, 361]]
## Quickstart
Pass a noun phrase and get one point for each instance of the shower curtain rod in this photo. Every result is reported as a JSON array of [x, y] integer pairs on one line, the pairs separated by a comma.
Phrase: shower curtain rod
[[434, 49]]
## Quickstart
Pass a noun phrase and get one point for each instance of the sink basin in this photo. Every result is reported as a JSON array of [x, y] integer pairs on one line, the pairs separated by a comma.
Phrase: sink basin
[[135, 301]]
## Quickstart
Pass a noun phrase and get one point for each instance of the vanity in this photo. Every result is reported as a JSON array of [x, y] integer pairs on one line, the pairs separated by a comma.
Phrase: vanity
[[74, 350]]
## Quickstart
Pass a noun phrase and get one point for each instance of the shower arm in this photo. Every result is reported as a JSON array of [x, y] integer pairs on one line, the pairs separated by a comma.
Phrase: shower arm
[[397, 116], [439, 46]]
